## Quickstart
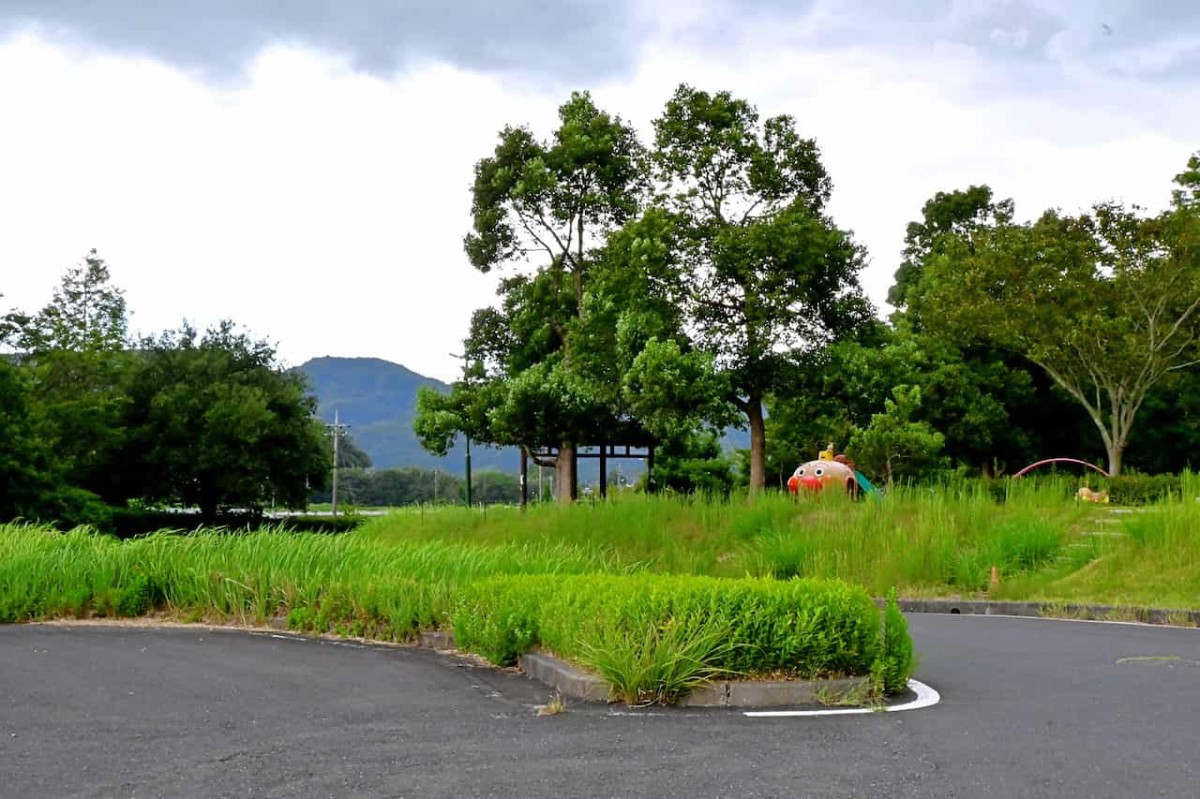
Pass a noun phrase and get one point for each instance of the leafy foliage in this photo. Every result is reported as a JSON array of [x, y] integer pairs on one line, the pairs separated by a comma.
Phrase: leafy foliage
[[1108, 303], [893, 444], [895, 665], [86, 314], [806, 628], [768, 273], [217, 424]]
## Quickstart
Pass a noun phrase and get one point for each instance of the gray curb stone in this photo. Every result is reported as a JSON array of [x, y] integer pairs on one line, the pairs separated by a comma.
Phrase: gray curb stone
[[568, 680], [983, 607], [575, 683]]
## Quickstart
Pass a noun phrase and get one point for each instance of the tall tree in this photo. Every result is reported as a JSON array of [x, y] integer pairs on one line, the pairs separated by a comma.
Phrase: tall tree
[[216, 423], [894, 443], [1188, 181], [1107, 303], [554, 200], [25, 458], [86, 314], [994, 407], [75, 350], [947, 216], [770, 276]]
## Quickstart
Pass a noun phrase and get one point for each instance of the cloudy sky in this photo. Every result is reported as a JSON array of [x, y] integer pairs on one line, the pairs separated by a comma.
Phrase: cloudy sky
[[304, 167]]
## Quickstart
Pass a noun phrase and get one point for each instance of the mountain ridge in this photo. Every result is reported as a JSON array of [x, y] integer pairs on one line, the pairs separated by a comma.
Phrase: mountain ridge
[[377, 399]]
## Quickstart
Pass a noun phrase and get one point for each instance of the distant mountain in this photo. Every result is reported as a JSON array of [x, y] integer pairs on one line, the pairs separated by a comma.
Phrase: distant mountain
[[378, 399]]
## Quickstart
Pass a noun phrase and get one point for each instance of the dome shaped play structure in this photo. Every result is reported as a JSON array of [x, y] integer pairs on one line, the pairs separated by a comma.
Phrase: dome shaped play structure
[[829, 470]]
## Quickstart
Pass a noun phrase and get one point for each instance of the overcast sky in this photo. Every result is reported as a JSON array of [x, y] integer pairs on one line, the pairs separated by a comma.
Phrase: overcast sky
[[304, 168]]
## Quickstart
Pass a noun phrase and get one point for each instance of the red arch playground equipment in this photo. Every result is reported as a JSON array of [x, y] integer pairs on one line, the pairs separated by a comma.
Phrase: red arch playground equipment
[[1086, 494], [1033, 466]]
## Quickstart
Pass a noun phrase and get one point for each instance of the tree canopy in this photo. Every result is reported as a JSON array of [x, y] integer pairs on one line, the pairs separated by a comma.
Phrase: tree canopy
[[676, 317], [1106, 302], [217, 424], [769, 277], [91, 422]]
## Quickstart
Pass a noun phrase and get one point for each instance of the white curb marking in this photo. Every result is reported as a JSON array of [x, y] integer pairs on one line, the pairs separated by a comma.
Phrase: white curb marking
[[926, 697]]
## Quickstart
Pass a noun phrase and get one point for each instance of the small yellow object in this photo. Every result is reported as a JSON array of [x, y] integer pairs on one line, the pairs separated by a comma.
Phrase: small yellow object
[[826, 454]]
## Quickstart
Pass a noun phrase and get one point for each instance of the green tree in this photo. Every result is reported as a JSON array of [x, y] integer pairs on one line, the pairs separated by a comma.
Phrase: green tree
[[25, 463], [947, 216], [893, 444], [1188, 181], [1105, 303], [87, 313], [769, 276], [216, 423], [554, 200], [352, 456], [694, 463], [75, 350], [996, 409], [1167, 435]]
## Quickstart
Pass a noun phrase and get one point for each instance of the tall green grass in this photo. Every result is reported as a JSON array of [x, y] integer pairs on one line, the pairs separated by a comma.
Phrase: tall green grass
[[344, 583], [925, 540], [940, 540], [1145, 558], [503, 598]]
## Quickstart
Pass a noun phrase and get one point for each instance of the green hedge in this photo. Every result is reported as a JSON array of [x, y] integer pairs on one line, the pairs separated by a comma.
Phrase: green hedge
[[640, 631], [134, 522], [1130, 488], [1143, 489]]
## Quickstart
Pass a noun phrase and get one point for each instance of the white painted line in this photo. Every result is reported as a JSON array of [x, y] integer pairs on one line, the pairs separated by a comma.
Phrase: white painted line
[[926, 697]]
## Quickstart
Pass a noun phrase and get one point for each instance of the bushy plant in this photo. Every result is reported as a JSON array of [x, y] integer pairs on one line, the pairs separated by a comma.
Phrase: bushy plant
[[644, 629], [661, 664], [1143, 489], [895, 664]]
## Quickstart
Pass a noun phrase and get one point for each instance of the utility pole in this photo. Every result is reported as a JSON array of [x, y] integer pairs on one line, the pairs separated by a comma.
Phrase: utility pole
[[337, 430], [466, 374]]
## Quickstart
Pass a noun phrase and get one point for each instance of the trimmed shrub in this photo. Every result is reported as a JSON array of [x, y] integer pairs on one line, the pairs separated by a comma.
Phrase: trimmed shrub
[[1143, 489], [890, 672], [799, 628]]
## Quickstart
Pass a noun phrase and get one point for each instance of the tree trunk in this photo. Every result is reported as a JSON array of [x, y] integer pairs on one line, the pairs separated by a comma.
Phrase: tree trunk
[[758, 445], [565, 479], [1116, 452], [208, 512]]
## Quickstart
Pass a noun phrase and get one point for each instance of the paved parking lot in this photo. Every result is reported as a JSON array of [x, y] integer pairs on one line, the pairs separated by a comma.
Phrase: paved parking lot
[[1030, 708]]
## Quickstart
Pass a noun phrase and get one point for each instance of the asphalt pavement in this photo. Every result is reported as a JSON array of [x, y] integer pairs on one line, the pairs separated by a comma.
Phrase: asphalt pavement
[[1030, 708]]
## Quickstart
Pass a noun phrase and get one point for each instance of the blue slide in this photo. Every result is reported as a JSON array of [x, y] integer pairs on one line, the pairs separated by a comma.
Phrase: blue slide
[[865, 485]]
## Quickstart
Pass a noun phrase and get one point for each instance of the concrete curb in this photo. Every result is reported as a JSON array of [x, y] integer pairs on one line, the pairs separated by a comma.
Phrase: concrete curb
[[568, 680], [1053, 610], [573, 682]]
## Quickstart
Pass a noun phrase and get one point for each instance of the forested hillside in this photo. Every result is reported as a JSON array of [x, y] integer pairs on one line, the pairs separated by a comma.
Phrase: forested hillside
[[377, 398]]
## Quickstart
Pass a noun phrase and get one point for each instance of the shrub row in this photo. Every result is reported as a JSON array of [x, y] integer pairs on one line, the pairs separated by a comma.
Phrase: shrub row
[[1143, 489], [133, 522], [654, 637], [1130, 488]]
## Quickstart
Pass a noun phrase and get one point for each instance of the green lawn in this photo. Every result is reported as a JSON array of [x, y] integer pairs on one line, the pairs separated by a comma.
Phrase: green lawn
[[692, 573], [926, 542]]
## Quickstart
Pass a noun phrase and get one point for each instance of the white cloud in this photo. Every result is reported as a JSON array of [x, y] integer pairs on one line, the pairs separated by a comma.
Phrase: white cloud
[[324, 208]]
